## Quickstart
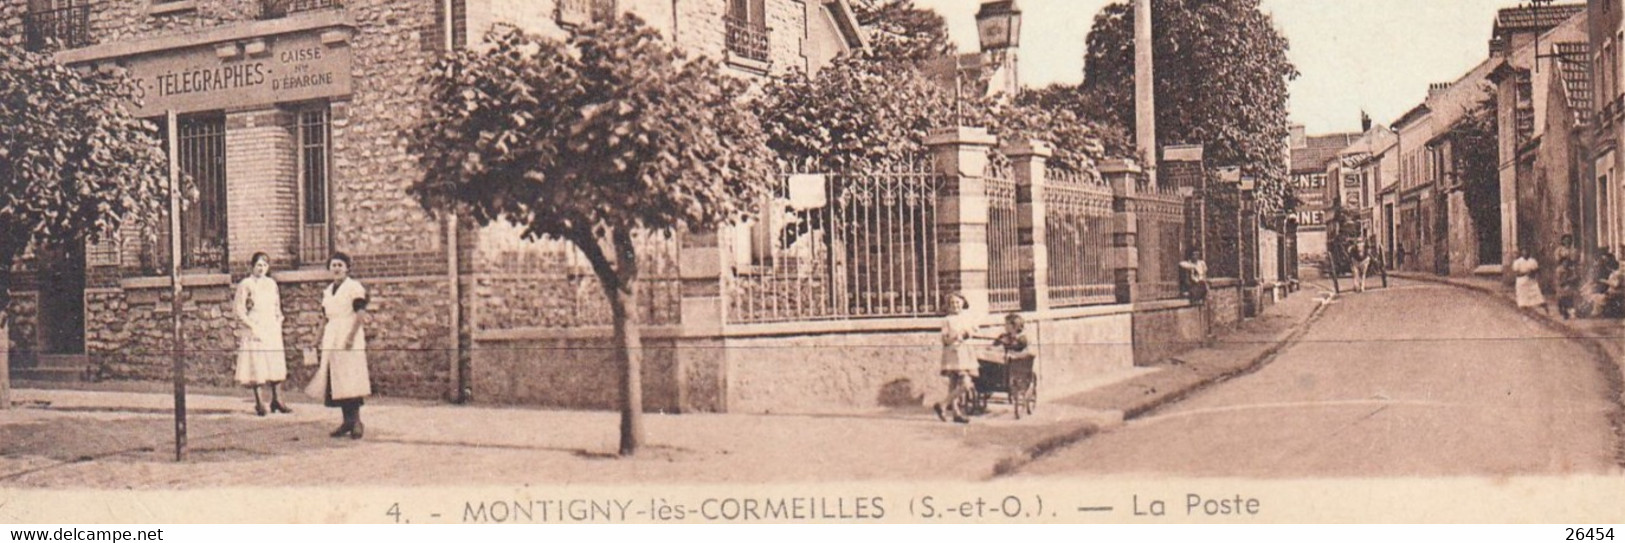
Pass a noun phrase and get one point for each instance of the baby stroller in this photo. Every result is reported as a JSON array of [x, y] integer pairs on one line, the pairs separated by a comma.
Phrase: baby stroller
[[1012, 374]]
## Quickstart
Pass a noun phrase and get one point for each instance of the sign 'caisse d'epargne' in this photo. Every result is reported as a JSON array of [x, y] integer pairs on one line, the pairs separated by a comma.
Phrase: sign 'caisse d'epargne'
[[258, 71]]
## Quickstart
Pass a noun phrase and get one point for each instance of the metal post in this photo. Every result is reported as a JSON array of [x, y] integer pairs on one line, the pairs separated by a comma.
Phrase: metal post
[[178, 360]]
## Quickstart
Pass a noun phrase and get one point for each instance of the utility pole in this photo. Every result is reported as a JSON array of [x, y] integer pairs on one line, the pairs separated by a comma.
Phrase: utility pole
[[1145, 107], [178, 359]]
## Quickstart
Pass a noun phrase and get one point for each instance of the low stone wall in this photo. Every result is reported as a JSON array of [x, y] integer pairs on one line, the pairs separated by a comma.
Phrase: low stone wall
[[812, 373], [129, 337], [1227, 302], [570, 372], [1165, 329]]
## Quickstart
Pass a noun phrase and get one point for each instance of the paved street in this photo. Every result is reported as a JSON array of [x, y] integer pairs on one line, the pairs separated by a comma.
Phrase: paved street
[[1417, 380]]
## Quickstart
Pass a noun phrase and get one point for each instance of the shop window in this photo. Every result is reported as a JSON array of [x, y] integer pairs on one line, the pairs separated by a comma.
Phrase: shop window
[[56, 24], [315, 151]]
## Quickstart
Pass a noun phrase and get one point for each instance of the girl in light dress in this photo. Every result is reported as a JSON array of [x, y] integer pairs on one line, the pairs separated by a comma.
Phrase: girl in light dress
[[260, 358], [959, 363]]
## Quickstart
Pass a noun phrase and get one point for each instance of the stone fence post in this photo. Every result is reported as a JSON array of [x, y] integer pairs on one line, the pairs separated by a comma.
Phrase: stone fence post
[[962, 212], [698, 352], [1124, 257], [1029, 162]]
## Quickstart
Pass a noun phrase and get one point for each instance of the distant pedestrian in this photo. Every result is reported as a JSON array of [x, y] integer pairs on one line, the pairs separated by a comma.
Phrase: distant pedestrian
[[1566, 252], [1360, 263], [1527, 285], [342, 379], [261, 361], [1568, 289], [958, 360]]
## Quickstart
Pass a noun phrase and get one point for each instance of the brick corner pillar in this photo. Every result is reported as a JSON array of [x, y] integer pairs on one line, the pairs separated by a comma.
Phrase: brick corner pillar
[[1029, 160], [699, 363], [961, 156], [1124, 258]]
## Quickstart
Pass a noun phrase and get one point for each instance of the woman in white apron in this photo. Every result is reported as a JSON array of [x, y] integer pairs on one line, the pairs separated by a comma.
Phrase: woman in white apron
[[260, 358], [1527, 286], [341, 379]]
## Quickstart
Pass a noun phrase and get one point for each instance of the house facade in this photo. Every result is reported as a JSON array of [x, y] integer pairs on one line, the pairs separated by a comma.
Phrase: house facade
[[1310, 158], [1539, 176], [291, 117]]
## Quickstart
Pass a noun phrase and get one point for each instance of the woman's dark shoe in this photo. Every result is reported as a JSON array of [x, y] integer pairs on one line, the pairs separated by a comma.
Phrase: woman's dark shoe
[[961, 420], [343, 430], [277, 407], [259, 409], [355, 433]]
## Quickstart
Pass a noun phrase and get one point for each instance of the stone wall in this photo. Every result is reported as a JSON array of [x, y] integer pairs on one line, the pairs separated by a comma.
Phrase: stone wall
[[1165, 330], [814, 373], [573, 373], [23, 313], [129, 334], [1226, 301]]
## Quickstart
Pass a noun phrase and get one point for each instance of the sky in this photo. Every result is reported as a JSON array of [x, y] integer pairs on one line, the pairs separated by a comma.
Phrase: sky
[[1373, 55]]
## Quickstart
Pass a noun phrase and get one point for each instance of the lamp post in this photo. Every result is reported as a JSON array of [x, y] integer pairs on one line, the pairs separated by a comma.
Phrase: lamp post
[[998, 28]]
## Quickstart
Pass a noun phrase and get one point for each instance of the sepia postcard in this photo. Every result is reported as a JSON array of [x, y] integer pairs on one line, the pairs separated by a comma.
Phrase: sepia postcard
[[812, 261]]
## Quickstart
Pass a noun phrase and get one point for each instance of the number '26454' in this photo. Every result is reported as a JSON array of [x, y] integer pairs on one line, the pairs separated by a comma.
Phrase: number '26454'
[[1590, 534]]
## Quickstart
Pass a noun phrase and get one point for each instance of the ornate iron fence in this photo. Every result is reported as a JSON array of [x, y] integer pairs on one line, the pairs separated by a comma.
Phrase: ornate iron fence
[[56, 24], [1003, 240], [1160, 223], [1077, 235], [839, 246]]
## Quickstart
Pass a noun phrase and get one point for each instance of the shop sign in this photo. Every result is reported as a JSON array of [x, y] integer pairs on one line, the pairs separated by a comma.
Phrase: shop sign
[[257, 72]]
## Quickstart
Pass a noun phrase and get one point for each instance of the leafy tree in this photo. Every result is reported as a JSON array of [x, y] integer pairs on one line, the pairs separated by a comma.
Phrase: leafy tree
[[904, 32], [856, 112], [1060, 115], [1475, 146], [592, 140], [74, 164], [861, 112], [1221, 81]]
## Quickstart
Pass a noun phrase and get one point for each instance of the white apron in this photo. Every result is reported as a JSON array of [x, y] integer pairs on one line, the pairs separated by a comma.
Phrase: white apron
[[346, 368], [260, 358]]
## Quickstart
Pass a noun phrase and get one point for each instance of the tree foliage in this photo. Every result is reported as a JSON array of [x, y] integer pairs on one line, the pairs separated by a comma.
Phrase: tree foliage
[[862, 112], [904, 32], [1221, 73], [75, 165], [592, 140]]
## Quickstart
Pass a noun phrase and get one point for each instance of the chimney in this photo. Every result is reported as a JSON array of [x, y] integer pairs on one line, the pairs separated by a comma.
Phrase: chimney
[[1365, 122], [1299, 138], [1436, 89]]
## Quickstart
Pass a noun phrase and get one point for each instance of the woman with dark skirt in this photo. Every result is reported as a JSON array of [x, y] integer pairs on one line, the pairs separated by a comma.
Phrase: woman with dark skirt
[[341, 378]]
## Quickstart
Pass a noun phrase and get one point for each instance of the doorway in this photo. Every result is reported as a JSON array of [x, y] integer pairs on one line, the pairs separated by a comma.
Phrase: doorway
[[61, 327]]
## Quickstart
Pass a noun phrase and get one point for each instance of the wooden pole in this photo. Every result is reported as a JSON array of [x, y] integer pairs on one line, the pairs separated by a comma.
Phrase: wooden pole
[[177, 358]]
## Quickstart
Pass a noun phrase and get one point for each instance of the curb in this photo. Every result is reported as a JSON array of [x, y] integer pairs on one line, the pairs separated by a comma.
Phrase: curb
[[1613, 372], [1012, 464]]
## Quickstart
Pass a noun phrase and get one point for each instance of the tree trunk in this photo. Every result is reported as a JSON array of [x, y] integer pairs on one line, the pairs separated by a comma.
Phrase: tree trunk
[[629, 343], [6, 261]]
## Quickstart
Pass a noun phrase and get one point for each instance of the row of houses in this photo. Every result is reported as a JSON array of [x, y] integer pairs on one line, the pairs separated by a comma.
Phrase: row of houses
[[1513, 155]]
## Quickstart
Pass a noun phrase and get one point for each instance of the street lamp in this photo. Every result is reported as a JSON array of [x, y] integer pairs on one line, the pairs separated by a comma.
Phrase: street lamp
[[998, 25], [998, 28]]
